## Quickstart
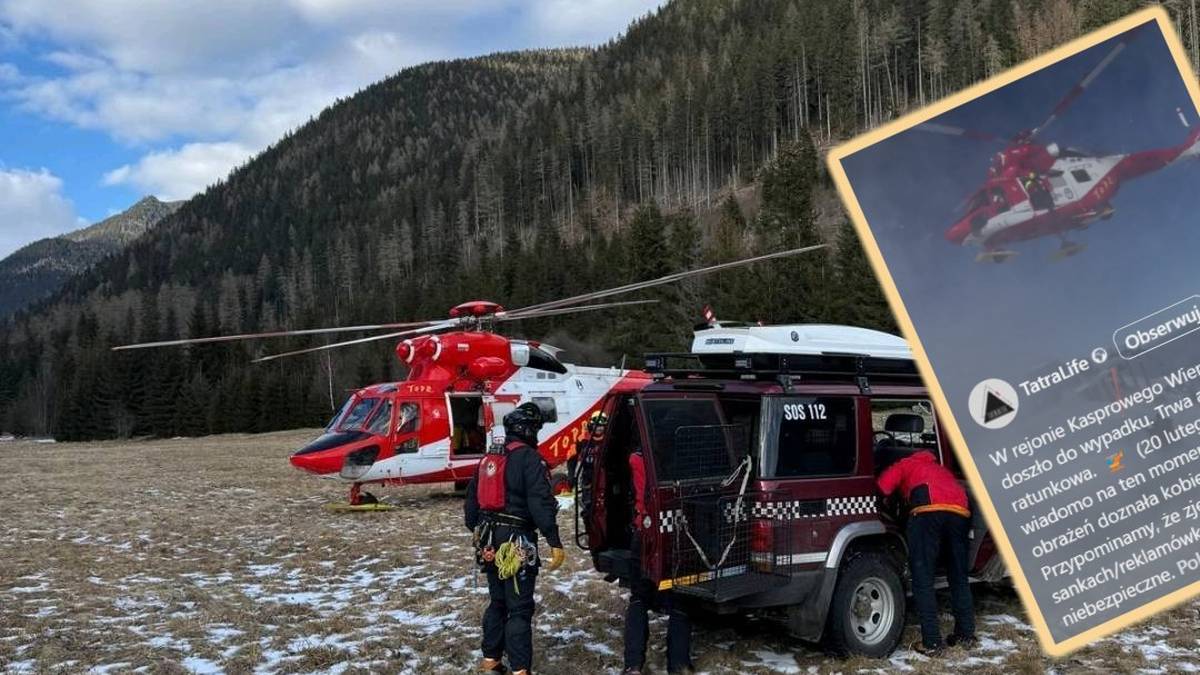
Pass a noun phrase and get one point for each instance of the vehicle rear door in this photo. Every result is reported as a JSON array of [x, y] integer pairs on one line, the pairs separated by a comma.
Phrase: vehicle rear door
[[606, 516], [691, 454]]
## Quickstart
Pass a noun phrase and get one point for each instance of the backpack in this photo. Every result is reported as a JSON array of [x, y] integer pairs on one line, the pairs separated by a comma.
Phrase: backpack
[[490, 489]]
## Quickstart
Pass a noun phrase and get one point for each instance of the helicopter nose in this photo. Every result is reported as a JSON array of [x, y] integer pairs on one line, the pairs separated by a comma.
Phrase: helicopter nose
[[321, 463], [958, 233]]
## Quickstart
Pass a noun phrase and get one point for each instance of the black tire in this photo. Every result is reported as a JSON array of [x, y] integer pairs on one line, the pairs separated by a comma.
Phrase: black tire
[[560, 484], [460, 487], [367, 498], [867, 612]]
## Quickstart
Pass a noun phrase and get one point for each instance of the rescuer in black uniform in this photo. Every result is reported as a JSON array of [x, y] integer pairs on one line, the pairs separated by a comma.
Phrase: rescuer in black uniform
[[508, 502]]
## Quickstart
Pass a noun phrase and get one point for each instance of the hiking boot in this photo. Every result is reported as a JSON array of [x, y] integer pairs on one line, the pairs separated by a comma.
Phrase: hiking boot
[[493, 666], [920, 648], [964, 641]]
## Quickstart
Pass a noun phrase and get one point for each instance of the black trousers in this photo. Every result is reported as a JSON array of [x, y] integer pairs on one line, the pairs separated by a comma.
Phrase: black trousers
[[508, 619], [643, 597], [928, 535]]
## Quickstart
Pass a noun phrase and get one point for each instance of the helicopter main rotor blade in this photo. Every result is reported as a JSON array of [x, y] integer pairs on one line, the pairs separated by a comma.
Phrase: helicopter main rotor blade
[[509, 316], [273, 334], [950, 130], [1076, 91], [440, 326], [670, 278]]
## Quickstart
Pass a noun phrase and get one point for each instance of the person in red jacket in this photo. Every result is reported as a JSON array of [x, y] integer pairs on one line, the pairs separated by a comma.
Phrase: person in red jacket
[[938, 517], [643, 595]]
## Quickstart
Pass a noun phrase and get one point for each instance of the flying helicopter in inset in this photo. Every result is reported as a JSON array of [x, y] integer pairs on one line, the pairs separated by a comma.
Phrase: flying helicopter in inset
[[436, 424], [1035, 190]]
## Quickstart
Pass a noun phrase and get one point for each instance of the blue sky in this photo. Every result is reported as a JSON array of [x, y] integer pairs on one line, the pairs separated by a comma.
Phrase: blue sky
[[104, 101]]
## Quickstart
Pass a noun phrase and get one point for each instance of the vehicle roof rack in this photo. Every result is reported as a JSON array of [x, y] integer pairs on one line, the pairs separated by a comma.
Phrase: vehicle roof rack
[[787, 369]]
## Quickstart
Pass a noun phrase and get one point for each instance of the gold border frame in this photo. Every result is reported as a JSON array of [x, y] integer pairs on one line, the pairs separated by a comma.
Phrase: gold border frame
[[834, 162]]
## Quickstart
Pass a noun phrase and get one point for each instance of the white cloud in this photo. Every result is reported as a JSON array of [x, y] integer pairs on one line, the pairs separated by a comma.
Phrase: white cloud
[[201, 86], [587, 22], [179, 174], [32, 206]]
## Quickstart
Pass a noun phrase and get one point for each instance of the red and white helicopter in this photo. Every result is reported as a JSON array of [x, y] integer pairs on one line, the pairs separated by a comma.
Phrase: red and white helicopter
[[1034, 190], [436, 424]]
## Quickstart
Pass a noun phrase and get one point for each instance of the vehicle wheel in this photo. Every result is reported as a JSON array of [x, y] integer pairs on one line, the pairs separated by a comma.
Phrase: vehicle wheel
[[460, 487], [560, 484], [866, 615], [367, 498]]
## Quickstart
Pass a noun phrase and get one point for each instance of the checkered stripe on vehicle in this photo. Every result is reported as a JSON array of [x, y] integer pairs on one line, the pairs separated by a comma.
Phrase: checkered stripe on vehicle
[[786, 510], [827, 508], [734, 511], [851, 506], [669, 520]]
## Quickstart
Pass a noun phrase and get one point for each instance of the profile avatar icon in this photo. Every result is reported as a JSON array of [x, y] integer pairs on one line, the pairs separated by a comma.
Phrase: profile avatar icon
[[993, 403]]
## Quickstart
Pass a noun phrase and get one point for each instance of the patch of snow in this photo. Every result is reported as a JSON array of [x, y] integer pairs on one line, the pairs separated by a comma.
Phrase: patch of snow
[[261, 571], [194, 664], [223, 633], [424, 623], [106, 668], [776, 662], [168, 642], [315, 641], [600, 648], [1006, 619]]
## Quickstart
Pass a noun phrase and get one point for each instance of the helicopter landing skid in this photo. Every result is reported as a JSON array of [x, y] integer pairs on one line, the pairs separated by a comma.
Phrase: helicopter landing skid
[[341, 508], [1068, 249], [996, 256]]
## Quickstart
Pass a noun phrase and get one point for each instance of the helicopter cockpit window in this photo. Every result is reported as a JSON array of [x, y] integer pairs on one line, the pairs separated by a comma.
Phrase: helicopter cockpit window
[[409, 419], [333, 422], [540, 359], [381, 420], [357, 414]]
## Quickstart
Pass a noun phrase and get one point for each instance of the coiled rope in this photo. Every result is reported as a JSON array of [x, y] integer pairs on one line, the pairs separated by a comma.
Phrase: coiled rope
[[508, 562]]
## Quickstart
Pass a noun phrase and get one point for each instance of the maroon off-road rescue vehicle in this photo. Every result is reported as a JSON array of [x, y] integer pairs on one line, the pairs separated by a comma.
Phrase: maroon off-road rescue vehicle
[[761, 450]]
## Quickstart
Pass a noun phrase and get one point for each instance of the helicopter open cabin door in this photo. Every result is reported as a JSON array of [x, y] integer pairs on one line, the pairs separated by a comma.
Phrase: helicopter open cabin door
[[468, 431]]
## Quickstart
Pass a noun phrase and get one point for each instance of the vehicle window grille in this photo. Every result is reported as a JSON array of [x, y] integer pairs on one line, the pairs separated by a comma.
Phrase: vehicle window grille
[[704, 451]]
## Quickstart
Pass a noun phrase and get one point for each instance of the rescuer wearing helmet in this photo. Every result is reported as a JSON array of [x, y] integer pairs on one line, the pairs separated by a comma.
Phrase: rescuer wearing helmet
[[508, 502], [643, 595], [581, 460], [580, 466], [938, 517]]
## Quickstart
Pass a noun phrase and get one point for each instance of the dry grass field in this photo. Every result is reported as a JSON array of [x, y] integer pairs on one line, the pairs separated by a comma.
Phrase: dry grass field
[[213, 555]]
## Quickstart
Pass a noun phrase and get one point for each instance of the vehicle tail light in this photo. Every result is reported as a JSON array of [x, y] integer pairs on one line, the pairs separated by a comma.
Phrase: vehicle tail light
[[762, 545], [762, 539]]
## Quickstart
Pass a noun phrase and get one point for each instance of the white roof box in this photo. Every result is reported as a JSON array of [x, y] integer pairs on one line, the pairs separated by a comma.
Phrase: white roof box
[[812, 339]]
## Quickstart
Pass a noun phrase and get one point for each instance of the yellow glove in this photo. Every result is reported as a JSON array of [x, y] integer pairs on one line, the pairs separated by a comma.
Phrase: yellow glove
[[557, 558]]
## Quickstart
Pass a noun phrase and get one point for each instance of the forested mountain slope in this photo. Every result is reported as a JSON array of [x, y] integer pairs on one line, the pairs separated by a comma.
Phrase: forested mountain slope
[[695, 137]]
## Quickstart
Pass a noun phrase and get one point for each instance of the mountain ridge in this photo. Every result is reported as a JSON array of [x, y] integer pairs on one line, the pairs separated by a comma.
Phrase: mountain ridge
[[38, 269]]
